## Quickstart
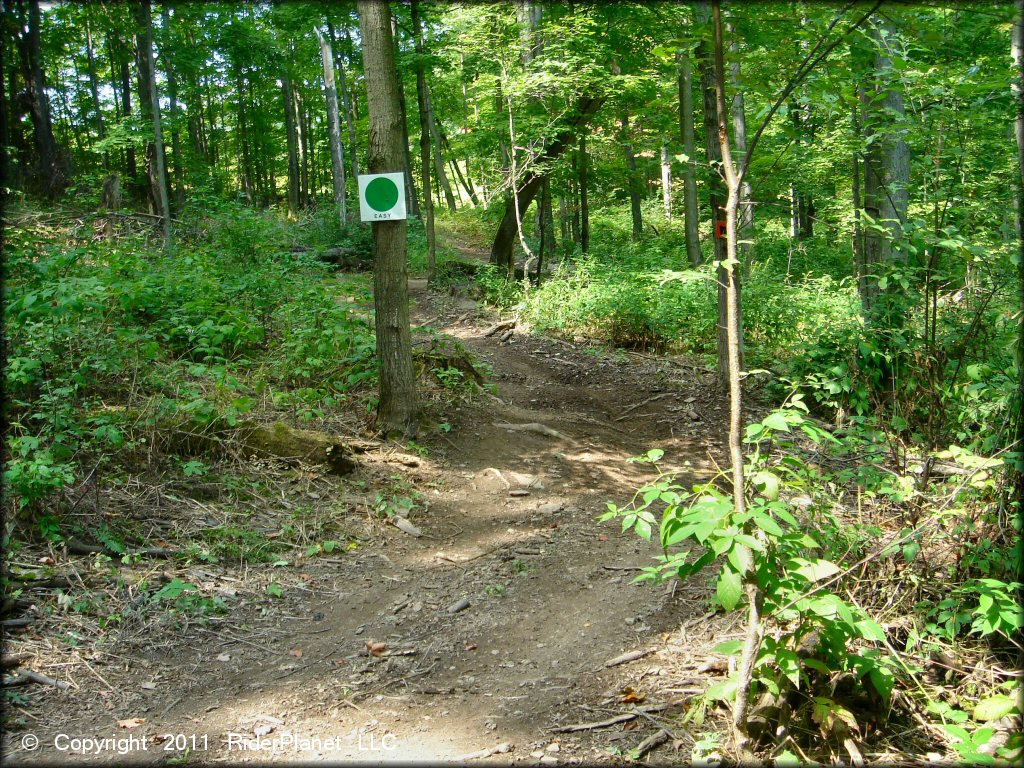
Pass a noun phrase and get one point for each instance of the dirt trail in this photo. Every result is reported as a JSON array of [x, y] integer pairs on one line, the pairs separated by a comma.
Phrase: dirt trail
[[547, 586]]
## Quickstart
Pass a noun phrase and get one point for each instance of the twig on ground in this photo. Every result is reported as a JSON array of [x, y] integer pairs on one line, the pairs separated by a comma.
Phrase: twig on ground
[[632, 408], [625, 658]]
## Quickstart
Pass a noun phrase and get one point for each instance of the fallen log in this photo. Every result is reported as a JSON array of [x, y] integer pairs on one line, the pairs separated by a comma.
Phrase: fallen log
[[76, 547], [25, 676], [188, 437]]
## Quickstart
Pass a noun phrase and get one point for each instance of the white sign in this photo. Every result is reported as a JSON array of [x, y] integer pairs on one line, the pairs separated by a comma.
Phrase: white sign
[[382, 197]]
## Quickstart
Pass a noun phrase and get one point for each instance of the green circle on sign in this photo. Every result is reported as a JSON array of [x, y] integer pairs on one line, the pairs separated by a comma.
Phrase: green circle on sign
[[381, 194]]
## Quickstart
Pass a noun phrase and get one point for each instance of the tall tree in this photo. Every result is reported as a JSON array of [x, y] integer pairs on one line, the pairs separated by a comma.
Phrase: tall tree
[[421, 100], [716, 191], [397, 408], [94, 87], [50, 173], [886, 161], [345, 100], [1018, 60], [442, 177], [739, 127], [334, 129], [530, 183], [172, 96], [632, 177], [584, 198], [292, 139], [685, 86], [155, 159]]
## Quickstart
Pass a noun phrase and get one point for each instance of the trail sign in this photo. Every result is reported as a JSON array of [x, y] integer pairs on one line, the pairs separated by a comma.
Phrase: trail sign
[[382, 197]]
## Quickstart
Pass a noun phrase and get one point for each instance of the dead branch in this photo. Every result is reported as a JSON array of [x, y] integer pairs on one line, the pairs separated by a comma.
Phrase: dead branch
[[26, 676], [632, 408], [625, 658]]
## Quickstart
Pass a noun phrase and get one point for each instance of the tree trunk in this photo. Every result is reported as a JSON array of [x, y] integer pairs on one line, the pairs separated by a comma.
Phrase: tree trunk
[[6, 166], [396, 409], [51, 173], [716, 194], [131, 164], [1018, 59], [292, 140], [734, 183], [302, 137], [859, 265], [421, 101], [465, 181], [666, 182], [147, 90], [739, 126], [547, 226], [334, 131], [886, 164], [345, 102], [685, 84], [632, 178], [529, 185], [94, 87], [584, 200], [442, 177], [172, 95]]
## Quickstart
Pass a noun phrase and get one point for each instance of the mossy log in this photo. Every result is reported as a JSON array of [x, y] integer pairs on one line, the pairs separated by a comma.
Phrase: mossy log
[[278, 440]]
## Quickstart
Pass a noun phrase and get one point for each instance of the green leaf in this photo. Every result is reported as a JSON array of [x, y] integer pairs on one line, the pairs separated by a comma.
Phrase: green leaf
[[818, 570], [741, 559], [723, 690], [776, 421], [730, 588], [729, 647], [994, 708], [767, 524], [767, 484], [870, 630]]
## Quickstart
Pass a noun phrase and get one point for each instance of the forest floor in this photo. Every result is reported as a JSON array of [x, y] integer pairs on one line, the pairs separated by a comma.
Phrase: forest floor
[[477, 639]]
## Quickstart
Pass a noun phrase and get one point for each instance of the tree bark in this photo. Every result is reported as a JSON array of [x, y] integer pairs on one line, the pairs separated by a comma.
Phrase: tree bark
[[172, 95], [442, 177], [147, 79], [302, 136], [292, 140], [51, 172], [631, 177], [334, 131], [734, 183], [1018, 60], [859, 264], [504, 238], [666, 182], [94, 87], [345, 101], [396, 409], [421, 101], [584, 199], [685, 85], [716, 193], [886, 164], [739, 127]]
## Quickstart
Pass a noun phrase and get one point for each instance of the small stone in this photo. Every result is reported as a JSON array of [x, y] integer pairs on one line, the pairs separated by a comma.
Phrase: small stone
[[537, 755], [550, 508], [519, 492], [630, 621], [549, 760], [553, 748]]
